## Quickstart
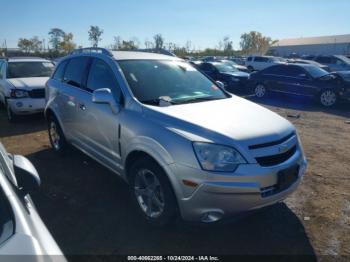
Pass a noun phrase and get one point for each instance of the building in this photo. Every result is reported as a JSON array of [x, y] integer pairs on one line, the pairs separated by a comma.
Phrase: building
[[323, 45]]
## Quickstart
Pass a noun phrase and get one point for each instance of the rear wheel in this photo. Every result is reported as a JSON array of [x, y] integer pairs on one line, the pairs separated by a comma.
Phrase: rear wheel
[[11, 116], [56, 136], [152, 192], [328, 98], [260, 90]]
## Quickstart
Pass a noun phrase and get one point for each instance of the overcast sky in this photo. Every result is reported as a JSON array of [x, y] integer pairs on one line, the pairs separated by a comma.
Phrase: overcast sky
[[204, 22]]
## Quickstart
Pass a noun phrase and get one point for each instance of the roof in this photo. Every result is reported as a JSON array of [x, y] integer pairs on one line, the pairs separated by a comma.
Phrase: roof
[[335, 39], [27, 59], [136, 55]]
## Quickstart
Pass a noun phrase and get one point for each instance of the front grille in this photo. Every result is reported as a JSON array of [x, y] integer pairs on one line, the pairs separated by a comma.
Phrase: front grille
[[37, 93], [273, 143], [276, 159]]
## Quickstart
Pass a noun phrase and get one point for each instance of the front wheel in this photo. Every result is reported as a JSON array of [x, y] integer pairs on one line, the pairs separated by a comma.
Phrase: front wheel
[[152, 192], [260, 90], [328, 98]]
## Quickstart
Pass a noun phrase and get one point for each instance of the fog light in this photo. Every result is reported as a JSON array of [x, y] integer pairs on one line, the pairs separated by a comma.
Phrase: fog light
[[19, 104], [212, 216]]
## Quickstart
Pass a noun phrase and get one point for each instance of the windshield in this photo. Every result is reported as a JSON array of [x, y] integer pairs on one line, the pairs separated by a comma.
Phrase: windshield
[[315, 71], [224, 67], [344, 59], [231, 64], [173, 81], [29, 69]]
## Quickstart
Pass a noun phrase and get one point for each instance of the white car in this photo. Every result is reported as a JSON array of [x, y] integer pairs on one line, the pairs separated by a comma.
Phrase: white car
[[22, 85], [22, 230], [258, 63]]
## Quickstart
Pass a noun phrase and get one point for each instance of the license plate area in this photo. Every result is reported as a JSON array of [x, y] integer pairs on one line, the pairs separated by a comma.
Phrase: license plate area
[[287, 177]]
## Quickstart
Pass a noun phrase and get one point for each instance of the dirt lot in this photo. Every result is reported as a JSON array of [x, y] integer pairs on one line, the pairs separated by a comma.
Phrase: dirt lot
[[87, 210]]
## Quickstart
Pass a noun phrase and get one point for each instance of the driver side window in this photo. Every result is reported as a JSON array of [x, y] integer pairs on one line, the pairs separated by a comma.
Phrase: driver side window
[[101, 76]]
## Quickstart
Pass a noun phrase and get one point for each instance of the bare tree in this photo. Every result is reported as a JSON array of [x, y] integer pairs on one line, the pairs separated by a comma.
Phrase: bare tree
[[158, 41], [95, 35]]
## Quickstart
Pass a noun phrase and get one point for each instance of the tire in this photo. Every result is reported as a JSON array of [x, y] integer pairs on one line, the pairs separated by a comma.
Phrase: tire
[[11, 117], [152, 192], [57, 139], [260, 90], [328, 98]]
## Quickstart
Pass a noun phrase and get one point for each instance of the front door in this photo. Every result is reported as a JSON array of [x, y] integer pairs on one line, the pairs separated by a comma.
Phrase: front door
[[97, 125]]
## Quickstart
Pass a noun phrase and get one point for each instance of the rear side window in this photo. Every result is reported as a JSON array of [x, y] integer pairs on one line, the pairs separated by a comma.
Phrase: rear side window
[[58, 75], [294, 71], [250, 59], [101, 76], [324, 59], [75, 71], [261, 59], [274, 70]]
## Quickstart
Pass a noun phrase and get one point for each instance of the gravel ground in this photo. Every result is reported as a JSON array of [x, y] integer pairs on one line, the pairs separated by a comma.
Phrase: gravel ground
[[87, 208]]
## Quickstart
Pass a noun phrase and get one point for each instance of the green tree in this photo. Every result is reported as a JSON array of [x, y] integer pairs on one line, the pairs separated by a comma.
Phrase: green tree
[[95, 35], [24, 44], [56, 37], [67, 44], [255, 43]]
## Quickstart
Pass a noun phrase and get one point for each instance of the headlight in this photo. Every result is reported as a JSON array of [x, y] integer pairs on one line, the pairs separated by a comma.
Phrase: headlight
[[18, 93], [220, 158]]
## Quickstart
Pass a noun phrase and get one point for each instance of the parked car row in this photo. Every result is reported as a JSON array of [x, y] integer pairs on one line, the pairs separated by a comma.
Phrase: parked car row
[[301, 79]]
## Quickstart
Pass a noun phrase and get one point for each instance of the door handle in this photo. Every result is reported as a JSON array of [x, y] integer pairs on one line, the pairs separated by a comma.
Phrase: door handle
[[82, 107]]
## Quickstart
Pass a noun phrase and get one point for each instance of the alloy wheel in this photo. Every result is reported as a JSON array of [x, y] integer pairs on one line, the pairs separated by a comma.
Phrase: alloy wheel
[[149, 193], [260, 90], [54, 135], [328, 98]]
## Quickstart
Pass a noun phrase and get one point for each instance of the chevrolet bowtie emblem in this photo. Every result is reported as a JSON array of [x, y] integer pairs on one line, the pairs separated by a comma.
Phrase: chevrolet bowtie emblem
[[283, 148]]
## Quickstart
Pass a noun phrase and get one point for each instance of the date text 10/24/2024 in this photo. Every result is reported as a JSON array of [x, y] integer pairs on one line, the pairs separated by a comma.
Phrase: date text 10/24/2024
[[173, 258]]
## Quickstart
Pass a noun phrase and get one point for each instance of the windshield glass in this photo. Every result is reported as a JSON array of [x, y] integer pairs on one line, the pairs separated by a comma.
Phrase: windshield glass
[[29, 69], [223, 67], [315, 71], [231, 64], [174, 81]]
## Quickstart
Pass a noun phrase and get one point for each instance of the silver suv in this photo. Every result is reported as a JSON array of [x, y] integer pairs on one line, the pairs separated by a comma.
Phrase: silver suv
[[184, 145], [22, 85]]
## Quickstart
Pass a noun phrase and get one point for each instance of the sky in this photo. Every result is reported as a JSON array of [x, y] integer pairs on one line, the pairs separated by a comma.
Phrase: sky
[[203, 22]]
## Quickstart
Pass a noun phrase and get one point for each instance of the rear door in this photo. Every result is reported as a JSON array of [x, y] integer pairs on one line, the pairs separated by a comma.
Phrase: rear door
[[71, 91], [98, 127], [296, 81]]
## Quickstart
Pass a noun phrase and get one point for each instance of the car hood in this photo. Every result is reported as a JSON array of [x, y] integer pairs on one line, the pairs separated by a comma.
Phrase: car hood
[[225, 120], [237, 74], [29, 83], [241, 67]]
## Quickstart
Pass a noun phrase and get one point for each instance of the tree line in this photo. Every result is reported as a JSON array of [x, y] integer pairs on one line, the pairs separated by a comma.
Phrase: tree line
[[61, 43]]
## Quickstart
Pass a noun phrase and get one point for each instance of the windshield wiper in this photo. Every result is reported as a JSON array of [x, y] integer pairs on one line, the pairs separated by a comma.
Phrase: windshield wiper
[[199, 99], [160, 101]]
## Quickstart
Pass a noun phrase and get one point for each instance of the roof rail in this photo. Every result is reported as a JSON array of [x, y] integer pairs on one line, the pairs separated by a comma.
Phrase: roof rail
[[90, 50]]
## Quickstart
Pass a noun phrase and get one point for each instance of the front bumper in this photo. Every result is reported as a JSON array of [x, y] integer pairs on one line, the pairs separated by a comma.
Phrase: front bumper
[[25, 106], [221, 195]]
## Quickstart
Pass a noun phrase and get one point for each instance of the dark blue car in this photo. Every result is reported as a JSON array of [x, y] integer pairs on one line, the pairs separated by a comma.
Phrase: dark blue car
[[300, 79], [233, 79]]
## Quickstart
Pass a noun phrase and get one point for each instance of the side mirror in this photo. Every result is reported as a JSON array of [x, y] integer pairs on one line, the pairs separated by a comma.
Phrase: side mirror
[[28, 179], [220, 84], [105, 96]]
